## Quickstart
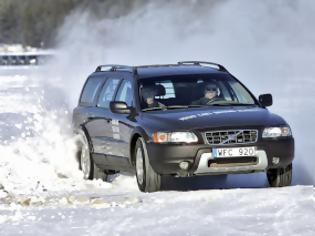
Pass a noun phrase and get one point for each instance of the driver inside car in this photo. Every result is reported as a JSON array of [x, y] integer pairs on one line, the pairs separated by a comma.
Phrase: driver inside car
[[210, 95], [148, 94]]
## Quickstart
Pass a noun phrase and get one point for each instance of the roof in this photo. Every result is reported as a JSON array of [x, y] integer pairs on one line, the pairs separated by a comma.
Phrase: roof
[[153, 71], [181, 68]]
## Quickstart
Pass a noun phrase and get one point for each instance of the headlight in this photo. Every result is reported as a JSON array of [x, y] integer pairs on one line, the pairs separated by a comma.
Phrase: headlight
[[174, 137], [275, 132]]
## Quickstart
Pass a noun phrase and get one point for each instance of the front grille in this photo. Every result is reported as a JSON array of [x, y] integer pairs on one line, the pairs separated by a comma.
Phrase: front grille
[[224, 137]]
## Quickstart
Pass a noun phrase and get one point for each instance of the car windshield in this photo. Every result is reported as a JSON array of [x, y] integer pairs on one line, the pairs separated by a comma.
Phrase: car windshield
[[176, 92]]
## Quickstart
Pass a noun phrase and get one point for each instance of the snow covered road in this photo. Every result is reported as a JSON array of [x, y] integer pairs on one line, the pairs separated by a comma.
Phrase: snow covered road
[[285, 211]]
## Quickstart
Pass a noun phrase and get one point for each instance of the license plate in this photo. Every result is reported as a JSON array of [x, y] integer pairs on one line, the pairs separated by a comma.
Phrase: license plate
[[233, 152]]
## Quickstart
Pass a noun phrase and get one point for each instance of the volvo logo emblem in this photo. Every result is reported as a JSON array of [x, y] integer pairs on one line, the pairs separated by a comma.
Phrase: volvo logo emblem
[[232, 137]]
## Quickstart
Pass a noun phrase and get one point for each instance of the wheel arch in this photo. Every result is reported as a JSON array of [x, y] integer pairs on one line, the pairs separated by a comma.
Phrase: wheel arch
[[138, 133], [81, 131]]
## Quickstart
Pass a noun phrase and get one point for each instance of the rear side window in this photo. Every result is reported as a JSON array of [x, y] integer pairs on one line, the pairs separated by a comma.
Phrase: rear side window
[[107, 93], [125, 93], [90, 90]]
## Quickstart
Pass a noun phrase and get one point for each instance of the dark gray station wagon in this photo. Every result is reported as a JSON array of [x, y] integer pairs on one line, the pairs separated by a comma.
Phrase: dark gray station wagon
[[184, 119]]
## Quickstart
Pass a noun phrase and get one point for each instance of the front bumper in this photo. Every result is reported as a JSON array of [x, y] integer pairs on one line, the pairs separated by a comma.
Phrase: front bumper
[[165, 158]]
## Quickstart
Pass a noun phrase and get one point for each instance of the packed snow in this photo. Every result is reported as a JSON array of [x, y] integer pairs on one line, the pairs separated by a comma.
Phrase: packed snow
[[286, 211]]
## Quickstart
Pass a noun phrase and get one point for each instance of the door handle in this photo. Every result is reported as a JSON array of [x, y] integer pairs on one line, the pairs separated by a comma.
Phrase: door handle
[[90, 118], [93, 118]]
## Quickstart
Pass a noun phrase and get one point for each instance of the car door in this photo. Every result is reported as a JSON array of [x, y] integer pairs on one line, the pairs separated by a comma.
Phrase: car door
[[123, 124], [99, 125]]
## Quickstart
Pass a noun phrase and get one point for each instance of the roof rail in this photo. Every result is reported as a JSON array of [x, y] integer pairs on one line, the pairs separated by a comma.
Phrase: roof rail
[[114, 67], [200, 63]]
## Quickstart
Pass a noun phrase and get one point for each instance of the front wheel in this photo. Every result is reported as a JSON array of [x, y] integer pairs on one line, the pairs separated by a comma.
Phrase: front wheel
[[280, 177], [148, 180], [86, 163]]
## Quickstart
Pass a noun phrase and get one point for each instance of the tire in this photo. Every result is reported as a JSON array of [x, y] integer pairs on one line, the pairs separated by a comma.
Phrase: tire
[[148, 180], [86, 163], [280, 177]]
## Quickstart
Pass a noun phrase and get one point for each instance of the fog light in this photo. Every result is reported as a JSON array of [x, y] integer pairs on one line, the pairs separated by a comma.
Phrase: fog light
[[275, 160], [184, 165]]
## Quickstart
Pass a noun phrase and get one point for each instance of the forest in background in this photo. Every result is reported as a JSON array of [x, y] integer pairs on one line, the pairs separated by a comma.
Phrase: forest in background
[[36, 22]]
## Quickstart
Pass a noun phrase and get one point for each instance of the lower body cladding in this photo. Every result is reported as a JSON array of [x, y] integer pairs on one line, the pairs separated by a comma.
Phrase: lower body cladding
[[199, 159]]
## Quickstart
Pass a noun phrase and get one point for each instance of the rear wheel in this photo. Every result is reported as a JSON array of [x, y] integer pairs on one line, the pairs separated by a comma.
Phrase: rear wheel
[[86, 163], [148, 180], [280, 177]]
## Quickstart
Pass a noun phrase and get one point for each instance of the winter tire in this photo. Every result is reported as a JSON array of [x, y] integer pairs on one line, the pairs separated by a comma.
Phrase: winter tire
[[86, 163], [280, 177], [148, 180]]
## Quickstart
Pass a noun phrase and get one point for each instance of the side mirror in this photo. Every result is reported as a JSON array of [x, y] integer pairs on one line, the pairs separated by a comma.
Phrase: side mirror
[[120, 108], [265, 100]]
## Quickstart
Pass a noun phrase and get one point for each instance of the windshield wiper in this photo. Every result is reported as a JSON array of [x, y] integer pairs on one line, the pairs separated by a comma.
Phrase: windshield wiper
[[232, 104], [177, 107], [198, 105], [165, 107]]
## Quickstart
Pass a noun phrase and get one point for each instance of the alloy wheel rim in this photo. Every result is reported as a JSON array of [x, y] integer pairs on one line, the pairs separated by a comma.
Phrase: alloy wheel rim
[[139, 166]]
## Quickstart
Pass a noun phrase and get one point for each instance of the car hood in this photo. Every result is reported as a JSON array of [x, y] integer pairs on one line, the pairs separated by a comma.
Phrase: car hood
[[210, 117]]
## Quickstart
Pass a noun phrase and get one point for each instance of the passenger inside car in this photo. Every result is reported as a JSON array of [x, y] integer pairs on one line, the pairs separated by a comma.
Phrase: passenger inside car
[[210, 94]]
